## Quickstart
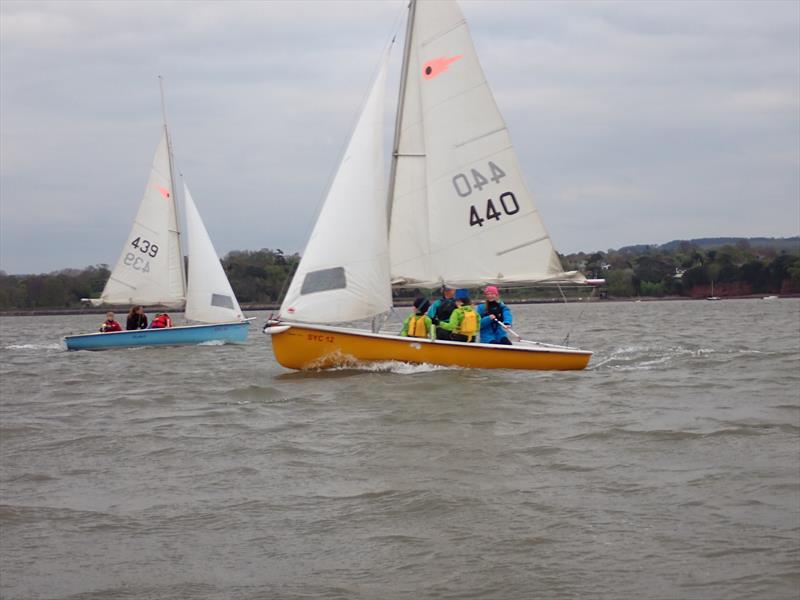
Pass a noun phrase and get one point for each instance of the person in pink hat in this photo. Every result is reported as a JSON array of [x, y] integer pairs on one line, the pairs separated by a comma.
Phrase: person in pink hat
[[493, 312]]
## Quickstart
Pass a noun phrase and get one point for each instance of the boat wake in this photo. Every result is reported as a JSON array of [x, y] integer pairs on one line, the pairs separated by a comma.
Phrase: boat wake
[[51, 346], [394, 366], [632, 358]]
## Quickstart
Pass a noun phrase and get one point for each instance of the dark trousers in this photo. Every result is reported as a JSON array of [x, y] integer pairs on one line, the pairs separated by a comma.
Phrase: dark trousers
[[503, 341], [457, 337], [443, 334]]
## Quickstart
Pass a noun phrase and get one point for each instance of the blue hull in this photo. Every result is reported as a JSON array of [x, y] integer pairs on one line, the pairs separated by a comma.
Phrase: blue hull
[[227, 333]]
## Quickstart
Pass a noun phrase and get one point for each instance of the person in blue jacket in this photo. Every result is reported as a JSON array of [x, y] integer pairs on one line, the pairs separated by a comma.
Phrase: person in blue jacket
[[493, 312], [441, 310]]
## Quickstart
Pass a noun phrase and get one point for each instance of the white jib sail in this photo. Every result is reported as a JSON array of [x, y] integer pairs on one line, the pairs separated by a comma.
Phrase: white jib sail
[[149, 269], [209, 296], [344, 272], [461, 212]]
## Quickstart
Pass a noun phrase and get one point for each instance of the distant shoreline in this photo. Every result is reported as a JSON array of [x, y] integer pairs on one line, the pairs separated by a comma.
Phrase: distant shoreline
[[44, 312]]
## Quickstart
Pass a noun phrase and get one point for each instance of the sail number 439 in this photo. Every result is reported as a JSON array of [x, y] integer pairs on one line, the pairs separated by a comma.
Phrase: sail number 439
[[137, 262]]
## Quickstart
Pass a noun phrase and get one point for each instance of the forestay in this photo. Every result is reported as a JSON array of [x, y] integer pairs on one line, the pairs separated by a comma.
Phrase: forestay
[[209, 296], [149, 270], [461, 212], [344, 272]]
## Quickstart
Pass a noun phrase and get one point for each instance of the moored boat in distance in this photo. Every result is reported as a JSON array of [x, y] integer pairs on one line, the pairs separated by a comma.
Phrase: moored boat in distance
[[150, 271], [458, 213]]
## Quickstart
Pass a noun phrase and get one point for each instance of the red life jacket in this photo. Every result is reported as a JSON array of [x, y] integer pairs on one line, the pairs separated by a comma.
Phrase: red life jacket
[[109, 326], [161, 321]]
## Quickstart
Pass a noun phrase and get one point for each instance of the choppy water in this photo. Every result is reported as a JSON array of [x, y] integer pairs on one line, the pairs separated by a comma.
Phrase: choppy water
[[669, 469]]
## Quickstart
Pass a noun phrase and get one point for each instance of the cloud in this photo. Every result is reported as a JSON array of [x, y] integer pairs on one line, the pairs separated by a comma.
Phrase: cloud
[[634, 122]]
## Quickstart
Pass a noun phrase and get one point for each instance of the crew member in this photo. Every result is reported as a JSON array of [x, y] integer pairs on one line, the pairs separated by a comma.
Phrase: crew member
[[110, 324], [463, 323], [418, 324], [161, 321], [441, 310], [493, 312], [136, 319]]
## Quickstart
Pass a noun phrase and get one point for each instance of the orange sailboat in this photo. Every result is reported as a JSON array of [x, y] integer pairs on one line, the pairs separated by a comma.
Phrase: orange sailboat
[[458, 213]]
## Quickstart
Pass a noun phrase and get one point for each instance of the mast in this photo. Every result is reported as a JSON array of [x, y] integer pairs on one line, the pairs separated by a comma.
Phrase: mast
[[176, 225], [412, 8]]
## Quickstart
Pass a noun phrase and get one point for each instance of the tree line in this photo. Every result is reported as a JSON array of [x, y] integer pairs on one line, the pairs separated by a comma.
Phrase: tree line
[[260, 277], [256, 276], [687, 269]]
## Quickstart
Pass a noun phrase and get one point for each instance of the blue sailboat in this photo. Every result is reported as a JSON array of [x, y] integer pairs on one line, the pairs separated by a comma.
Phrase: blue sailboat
[[150, 271]]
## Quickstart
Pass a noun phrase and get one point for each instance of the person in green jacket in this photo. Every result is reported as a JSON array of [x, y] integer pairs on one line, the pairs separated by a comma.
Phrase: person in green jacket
[[464, 322], [418, 324]]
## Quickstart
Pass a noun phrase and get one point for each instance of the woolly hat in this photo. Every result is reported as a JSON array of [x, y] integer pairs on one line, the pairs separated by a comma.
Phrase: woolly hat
[[462, 294], [490, 289], [422, 304]]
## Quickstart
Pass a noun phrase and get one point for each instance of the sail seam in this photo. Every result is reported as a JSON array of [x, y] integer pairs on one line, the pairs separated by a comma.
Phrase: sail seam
[[143, 226], [436, 36], [471, 162], [518, 246], [133, 287], [479, 137], [483, 82]]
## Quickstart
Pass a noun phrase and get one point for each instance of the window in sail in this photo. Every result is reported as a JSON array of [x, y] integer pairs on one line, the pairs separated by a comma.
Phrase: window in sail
[[222, 301], [324, 280]]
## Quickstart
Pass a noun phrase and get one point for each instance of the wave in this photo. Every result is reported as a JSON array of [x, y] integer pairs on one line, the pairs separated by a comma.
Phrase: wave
[[677, 435]]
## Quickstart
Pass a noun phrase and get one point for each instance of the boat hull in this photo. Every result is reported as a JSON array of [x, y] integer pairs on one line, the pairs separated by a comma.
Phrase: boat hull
[[227, 333], [300, 346]]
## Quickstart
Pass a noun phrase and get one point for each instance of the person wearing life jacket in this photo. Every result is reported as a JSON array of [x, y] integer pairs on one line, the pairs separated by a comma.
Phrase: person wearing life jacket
[[110, 324], [464, 321], [441, 310], [493, 312], [136, 319], [418, 324], [161, 321]]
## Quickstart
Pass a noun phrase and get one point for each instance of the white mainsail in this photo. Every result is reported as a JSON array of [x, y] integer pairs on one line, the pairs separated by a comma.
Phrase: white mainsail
[[344, 272], [150, 269], [209, 296], [460, 210]]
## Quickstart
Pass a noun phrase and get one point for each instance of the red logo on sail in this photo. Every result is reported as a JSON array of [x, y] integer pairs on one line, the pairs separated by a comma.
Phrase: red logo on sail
[[437, 66], [164, 192]]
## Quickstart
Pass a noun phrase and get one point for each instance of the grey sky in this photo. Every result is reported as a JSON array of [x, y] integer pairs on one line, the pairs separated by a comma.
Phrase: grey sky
[[635, 122]]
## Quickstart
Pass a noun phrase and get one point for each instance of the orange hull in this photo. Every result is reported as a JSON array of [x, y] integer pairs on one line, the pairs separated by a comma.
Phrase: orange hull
[[322, 347]]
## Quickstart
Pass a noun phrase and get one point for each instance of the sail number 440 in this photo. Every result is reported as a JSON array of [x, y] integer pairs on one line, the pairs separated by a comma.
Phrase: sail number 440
[[466, 184], [508, 204], [464, 187]]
